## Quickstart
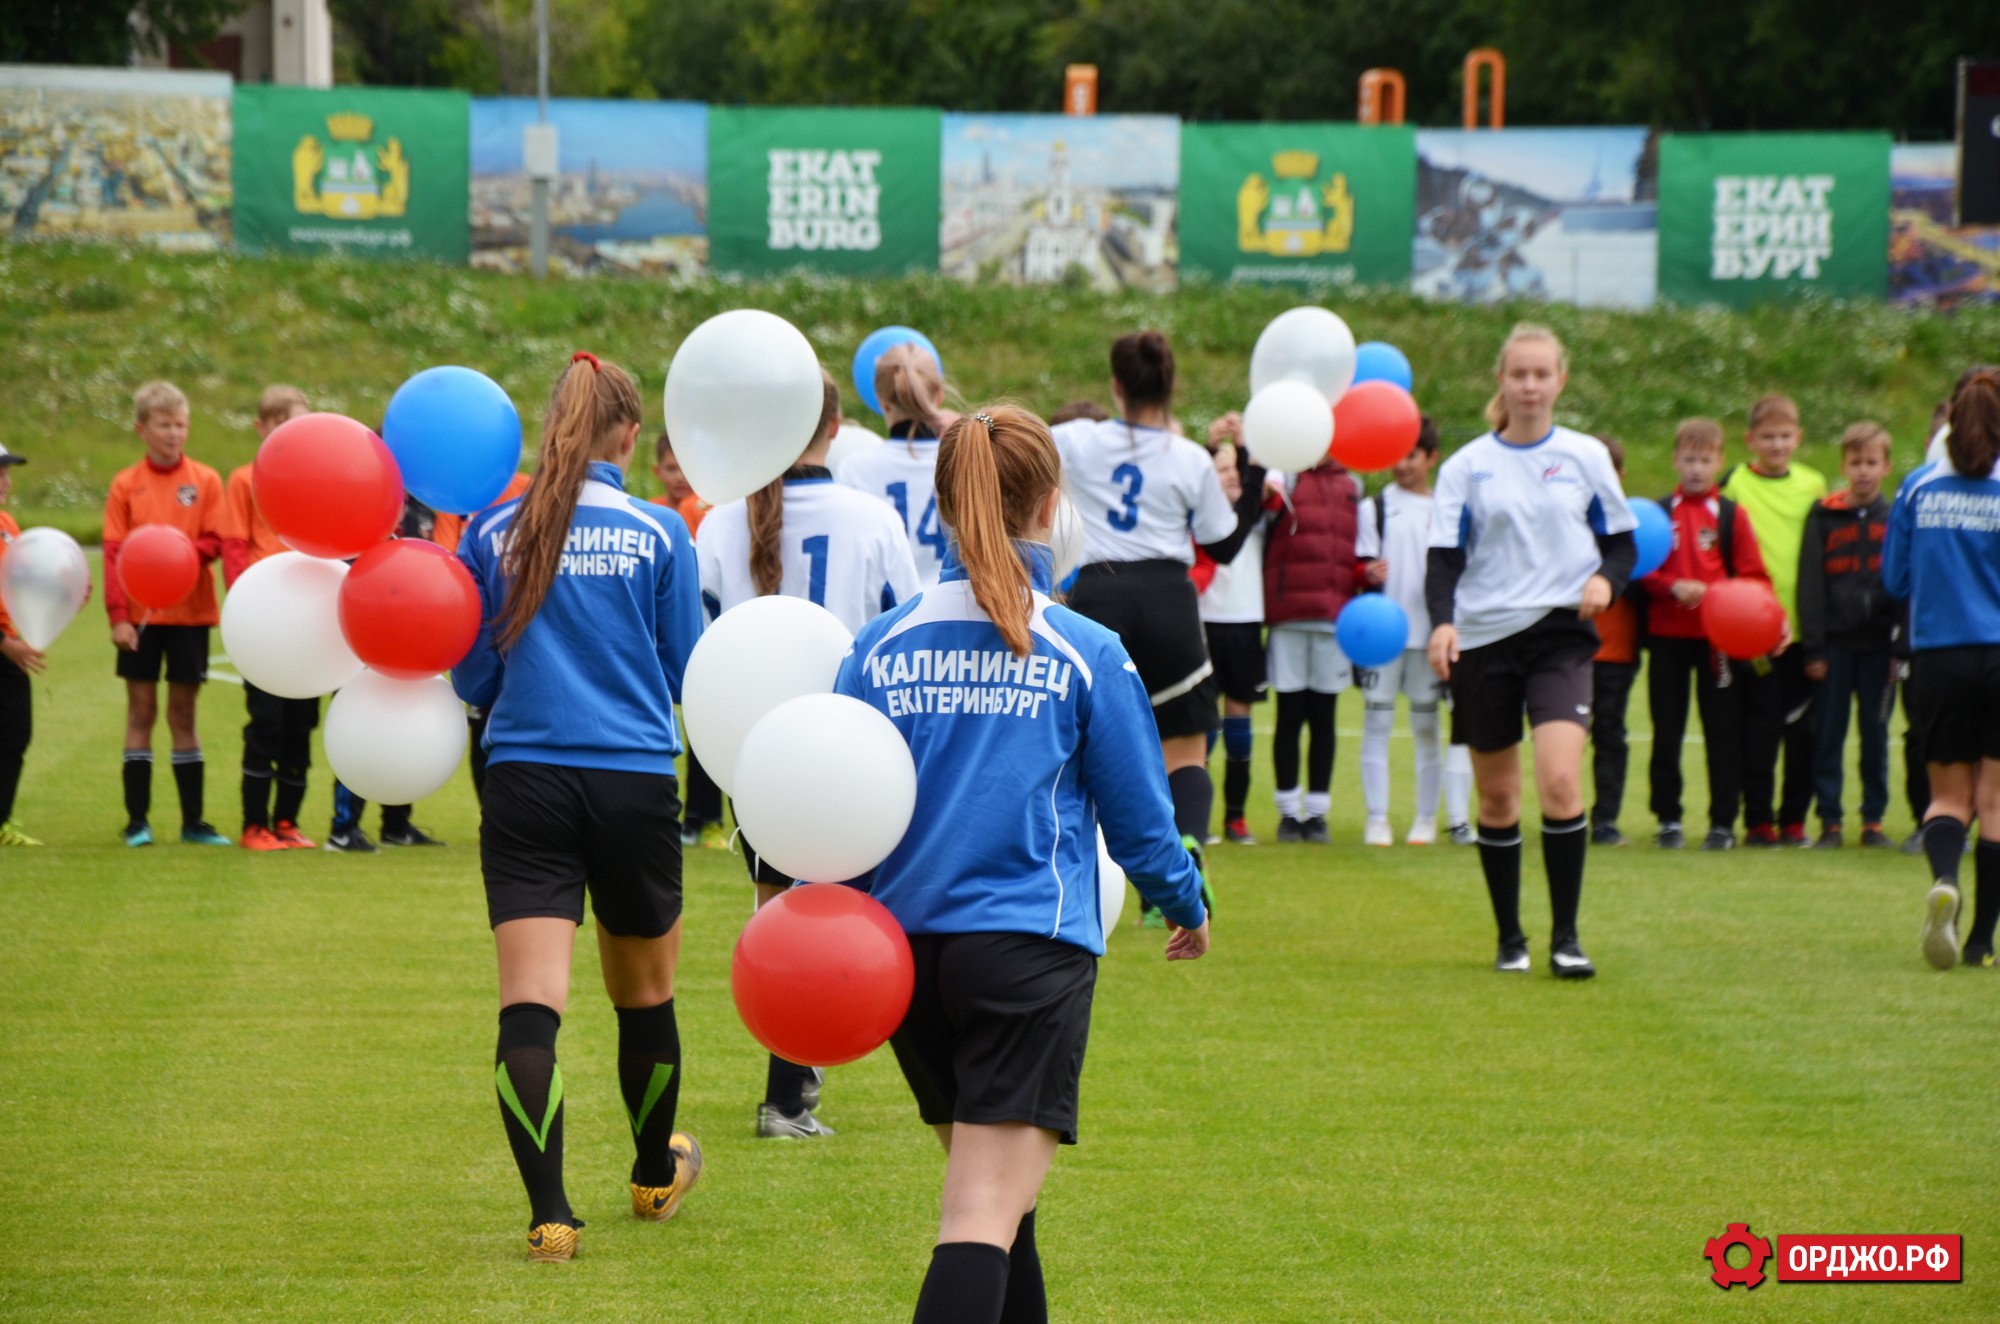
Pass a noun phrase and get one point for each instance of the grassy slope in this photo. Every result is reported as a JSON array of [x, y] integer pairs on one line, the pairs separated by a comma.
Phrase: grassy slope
[[84, 326], [251, 1087]]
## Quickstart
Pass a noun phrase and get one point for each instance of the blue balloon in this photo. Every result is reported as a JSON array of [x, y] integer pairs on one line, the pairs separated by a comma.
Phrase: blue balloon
[[1372, 630], [879, 343], [1655, 535], [456, 437], [1378, 361]]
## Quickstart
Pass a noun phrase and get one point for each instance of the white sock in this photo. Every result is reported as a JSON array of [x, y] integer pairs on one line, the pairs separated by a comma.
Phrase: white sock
[[1288, 803], [1317, 803], [1430, 764], [1376, 724], [1458, 783]]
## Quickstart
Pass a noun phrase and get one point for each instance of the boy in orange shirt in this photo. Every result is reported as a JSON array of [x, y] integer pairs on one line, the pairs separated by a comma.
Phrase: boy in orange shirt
[[277, 740], [18, 661], [164, 487]]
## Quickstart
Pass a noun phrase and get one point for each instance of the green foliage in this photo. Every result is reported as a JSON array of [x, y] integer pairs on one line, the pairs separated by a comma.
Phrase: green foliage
[[106, 32]]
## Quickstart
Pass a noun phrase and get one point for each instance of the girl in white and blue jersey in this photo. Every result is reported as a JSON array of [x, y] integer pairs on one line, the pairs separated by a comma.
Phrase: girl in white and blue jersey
[[1030, 729], [1147, 497], [1942, 555], [1530, 539], [901, 471], [589, 606], [803, 536]]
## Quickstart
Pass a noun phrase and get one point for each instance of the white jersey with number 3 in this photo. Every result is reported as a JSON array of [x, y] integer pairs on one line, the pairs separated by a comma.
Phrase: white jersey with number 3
[[840, 549], [1144, 493], [903, 473]]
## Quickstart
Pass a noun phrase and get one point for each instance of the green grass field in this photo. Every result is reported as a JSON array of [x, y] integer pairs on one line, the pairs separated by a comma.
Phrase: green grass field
[[85, 326], [260, 1087]]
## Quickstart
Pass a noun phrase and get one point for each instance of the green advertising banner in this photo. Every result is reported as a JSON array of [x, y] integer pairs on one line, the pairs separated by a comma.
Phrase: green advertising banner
[[849, 191], [355, 169], [1746, 217], [1312, 204]]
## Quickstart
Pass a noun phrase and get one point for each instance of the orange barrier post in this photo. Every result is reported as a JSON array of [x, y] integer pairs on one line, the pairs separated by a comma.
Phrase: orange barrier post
[[1496, 65], [1383, 94], [1080, 89]]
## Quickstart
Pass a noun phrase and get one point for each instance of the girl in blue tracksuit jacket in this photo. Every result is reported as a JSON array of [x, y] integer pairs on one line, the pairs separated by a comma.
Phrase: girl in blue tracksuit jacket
[[1942, 554], [1030, 727], [589, 605]]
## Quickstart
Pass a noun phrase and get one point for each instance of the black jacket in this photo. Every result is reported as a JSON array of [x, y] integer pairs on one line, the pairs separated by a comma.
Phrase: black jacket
[[1842, 603]]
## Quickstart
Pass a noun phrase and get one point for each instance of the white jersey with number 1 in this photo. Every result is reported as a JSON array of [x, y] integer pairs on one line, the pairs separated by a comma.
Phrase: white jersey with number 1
[[838, 548], [902, 472], [1144, 493]]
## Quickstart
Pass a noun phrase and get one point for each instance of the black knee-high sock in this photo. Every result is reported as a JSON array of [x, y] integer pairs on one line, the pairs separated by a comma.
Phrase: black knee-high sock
[[1285, 739], [1319, 729], [256, 798], [138, 784], [530, 1087], [1027, 1298], [1944, 847], [1986, 891], [291, 796], [967, 1284], [1564, 842], [649, 1076], [785, 1085], [1235, 787], [1500, 859], [189, 773], [1194, 799]]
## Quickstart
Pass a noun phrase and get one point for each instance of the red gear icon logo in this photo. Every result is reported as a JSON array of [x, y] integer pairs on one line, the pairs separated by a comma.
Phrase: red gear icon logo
[[1750, 1274]]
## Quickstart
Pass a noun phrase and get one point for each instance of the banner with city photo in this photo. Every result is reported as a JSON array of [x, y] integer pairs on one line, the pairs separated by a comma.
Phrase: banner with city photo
[[116, 154], [1752, 216], [853, 191], [631, 196], [353, 170], [1931, 260], [1322, 205], [1043, 198], [1569, 215]]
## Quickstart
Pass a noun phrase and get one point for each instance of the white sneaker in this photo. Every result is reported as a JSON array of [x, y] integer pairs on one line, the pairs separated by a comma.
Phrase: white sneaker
[[1378, 833], [1422, 833]]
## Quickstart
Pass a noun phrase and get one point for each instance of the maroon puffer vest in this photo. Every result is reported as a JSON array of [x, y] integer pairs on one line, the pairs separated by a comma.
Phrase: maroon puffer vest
[[1309, 567]]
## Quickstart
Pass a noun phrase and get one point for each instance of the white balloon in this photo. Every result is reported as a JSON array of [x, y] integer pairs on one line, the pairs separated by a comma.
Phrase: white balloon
[[1066, 538], [44, 582], [1288, 426], [1110, 886], [281, 627], [743, 396], [395, 741], [1308, 345], [825, 788], [757, 655], [852, 439]]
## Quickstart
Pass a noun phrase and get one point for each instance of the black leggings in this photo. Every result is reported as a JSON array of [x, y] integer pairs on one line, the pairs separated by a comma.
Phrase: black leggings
[[1309, 711]]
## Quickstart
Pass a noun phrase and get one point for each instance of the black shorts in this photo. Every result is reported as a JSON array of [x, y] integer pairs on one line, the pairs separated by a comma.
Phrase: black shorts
[[182, 648], [1544, 671], [1954, 703], [1153, 609], [1237, 650], [548, 832], [996, 1029]]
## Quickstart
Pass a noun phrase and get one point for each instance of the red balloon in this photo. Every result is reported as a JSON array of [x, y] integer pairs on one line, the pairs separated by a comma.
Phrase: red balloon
[[327, 486], [1375, 424], [822, 975], [1743, 618], [409, 609], [158, 566]]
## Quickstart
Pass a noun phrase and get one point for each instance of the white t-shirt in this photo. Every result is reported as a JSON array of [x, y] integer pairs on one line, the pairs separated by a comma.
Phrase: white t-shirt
[[1404, 541], [1144, 494], [838, 548], [1527, 518], [904, 474], [1236, 595]]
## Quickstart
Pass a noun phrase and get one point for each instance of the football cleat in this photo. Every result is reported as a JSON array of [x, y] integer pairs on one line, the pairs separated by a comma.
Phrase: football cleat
[[1567, 961], [288, 832], [1464, 834], [1719, 838], [409, 835], [201, 834], [12, 835], [656, 1204], [1315, 830], [1513, 958], [1290, 829], [1794, 834], [138, 834], [809, 1093], [1377, 832], [1978, 956], [801, 1125], [1873, 837], [1670, 837], [1941, 925], [1829, 838], [1606, 834], [1764, 835], [552, 1242], [259, 837], [1423, 832], [714, 837], [1237, 832], [350, 841]]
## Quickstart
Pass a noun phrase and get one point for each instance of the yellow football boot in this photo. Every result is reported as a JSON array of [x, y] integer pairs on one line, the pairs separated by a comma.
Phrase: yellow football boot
[[656, 1204]]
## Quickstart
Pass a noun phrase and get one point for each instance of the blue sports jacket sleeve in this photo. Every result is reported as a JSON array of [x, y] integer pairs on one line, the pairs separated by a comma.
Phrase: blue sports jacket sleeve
[[1896, 543], [678, 601], [476, 678], [1124, 775]]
